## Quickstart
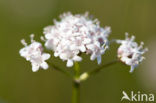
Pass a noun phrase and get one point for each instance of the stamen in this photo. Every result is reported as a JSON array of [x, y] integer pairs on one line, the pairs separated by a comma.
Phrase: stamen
[[126, 35], [132, 38], [32, 38], [141, 45], [23, 42], [42, 38], [86, 14]]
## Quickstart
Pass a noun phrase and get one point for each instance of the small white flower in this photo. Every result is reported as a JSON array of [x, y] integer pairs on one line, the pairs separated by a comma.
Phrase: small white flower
[[34, 54], [76, 34], [130, 52]]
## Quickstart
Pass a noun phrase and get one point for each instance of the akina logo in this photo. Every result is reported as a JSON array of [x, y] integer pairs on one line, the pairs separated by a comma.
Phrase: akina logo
[[138, 96]]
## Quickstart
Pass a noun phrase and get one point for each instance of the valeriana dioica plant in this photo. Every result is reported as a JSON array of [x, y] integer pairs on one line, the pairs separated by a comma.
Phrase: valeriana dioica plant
[[76, 34]]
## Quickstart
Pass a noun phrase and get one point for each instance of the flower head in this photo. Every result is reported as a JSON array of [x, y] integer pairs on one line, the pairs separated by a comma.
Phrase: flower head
[[34, 54], [76, 34], [130, 52]]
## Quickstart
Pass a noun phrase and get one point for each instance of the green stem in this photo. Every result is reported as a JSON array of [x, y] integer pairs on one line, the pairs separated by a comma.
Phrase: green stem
[[94, 71], [59, 69], [86, 75], [76, 70], [76, 92], [76, 84]]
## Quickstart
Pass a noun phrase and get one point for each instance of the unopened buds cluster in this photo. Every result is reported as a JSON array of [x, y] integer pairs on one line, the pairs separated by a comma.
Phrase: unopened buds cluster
[[76, 34]]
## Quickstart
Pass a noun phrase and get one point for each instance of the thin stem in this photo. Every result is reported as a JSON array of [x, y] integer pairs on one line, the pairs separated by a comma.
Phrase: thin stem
[[75, 92], [59, 69], [86, 75], [94, 71], [76, 70], [76, 84]]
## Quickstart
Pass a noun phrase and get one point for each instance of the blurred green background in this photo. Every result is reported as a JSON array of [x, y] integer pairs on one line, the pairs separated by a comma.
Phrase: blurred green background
[[20, 18]]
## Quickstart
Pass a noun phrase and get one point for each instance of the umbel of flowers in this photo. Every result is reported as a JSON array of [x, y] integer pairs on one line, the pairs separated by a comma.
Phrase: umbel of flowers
[[76, 34], [34, 54], [130, 52]]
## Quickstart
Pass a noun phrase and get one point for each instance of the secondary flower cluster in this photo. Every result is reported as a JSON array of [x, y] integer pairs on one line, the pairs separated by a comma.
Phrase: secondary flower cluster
[[34, 54], [130, 53], [76, 34]]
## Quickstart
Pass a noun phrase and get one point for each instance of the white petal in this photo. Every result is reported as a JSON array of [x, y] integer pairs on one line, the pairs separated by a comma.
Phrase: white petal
[[56, 41], [45, 56], [87, 41], [69, 63], [93, 56], [102, 51], [132, 68], [73, 47], [44, 65], [82, 48], [35, 67], [91, 47], [49, 44], [63, 56], [48, 36], [77, 58], [56, 54], [23, 52], [99, 59]]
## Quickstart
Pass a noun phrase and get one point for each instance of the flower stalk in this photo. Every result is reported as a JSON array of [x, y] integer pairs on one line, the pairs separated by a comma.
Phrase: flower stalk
[[75, 92], [60, 69], [86, 75], [76, 84]]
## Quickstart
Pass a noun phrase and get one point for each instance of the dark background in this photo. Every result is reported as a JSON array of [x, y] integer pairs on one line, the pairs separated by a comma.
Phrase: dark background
[[20, 18]]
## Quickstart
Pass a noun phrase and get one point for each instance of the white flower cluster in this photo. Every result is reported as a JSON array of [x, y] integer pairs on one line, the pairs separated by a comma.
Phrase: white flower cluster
[[76, 34], [130, 52], [34, 54]]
